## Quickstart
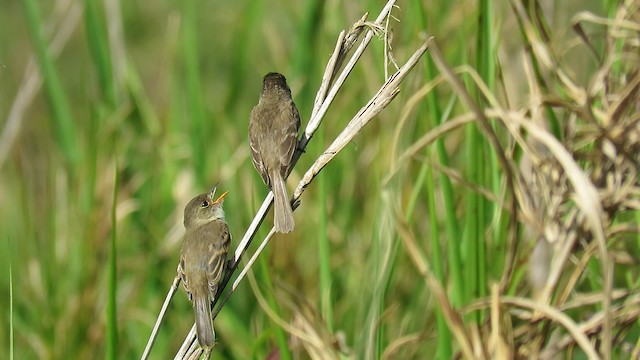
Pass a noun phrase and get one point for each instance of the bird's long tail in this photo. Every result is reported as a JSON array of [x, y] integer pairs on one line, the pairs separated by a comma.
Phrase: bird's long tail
[[204, 324], [283, 215]]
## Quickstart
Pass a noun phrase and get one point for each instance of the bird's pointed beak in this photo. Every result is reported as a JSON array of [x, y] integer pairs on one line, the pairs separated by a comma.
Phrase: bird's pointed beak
[[212, 192], [221, 198]]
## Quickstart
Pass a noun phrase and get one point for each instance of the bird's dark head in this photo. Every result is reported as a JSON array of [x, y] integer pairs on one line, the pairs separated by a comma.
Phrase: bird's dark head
[[275, 84], [203, 209]]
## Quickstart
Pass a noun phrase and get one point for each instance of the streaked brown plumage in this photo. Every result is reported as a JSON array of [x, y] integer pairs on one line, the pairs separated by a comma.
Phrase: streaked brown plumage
[[203, 259], [273, 137]]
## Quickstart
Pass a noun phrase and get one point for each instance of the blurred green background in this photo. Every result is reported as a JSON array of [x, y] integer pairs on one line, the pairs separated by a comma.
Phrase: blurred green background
[[156, 95]]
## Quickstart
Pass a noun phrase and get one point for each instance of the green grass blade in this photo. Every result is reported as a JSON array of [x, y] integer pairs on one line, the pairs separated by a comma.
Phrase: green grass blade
[[198, 128], [99, 48], [142, 103], [435, 114], [444, 334], [451, 219], [486, 70], [63, 121], [637, 216], [11, 344], [280, 334], [304, 64], [473, 149], [250, 20], [433, 108], [324, 248], [451, 225], [112, 311], [304, 56]]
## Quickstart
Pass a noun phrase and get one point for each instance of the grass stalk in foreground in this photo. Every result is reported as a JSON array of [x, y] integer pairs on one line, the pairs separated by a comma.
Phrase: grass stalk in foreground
[[384, 257], [112, 318], [434, 113], [473, 213], [451, 220], [444, 334], [10, 313], [486, 66]]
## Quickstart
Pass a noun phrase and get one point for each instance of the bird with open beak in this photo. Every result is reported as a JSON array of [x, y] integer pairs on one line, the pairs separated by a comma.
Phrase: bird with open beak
[[203, 259]]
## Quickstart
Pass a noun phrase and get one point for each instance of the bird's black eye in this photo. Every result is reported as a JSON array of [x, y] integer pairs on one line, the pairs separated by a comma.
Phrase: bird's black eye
[[205, 204]]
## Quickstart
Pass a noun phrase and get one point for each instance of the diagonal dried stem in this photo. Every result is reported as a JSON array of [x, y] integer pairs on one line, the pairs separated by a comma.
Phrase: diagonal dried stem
[[380, 100]]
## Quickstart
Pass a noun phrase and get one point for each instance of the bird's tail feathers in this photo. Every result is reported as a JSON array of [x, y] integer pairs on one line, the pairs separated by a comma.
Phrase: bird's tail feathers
[[204, 323], [283, 214]]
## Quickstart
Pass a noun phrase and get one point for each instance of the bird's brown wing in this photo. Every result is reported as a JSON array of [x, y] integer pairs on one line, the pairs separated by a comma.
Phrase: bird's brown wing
[[290, 119], [219, 248], [255, 132], [210, 256], [183, 276]]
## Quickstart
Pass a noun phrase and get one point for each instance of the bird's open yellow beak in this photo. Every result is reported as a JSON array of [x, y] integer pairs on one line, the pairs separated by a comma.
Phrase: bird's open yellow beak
[[219, 200], [212, 193]]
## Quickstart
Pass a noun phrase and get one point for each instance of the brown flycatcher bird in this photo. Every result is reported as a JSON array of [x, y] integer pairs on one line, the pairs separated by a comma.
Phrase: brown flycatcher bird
[[273, 137], [203, 259]]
